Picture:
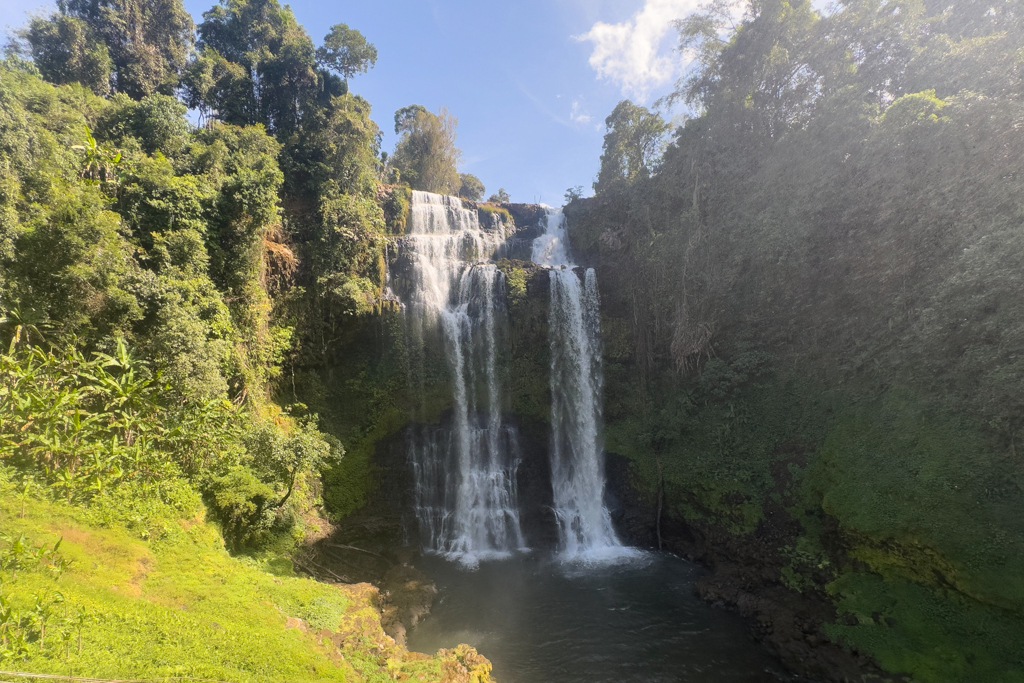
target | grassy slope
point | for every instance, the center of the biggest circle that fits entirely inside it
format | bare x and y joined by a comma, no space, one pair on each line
177,604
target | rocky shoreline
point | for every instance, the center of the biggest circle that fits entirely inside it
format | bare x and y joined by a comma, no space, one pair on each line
745,575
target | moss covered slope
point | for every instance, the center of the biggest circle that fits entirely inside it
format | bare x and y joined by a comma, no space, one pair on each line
164,599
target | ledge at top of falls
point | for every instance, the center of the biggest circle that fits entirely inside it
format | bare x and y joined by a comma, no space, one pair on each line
526,219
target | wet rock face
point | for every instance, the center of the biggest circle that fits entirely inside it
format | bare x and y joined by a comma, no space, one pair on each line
528,219
389,521
533,481
524,364
407,595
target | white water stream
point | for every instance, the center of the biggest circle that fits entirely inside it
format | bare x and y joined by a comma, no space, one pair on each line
465,485
466,498
577,452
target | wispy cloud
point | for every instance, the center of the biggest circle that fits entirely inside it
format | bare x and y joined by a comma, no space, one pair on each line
541,106
578,114
632,53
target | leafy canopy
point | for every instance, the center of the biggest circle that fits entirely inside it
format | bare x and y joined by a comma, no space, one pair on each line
346,52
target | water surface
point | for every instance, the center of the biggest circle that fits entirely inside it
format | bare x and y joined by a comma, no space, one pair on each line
540,621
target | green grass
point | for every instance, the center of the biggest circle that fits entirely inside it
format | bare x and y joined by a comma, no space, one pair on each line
932,635
177,604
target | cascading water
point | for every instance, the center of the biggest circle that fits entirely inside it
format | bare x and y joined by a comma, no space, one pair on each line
577,452
465,485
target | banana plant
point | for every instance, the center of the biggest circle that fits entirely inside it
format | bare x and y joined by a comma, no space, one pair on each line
25,325
42,611
13,641
79,622
99,162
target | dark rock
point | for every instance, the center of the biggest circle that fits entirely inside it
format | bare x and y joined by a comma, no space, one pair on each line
407,596
528,219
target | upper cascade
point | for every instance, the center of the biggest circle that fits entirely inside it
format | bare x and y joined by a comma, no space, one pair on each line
465,472
577,450
552,247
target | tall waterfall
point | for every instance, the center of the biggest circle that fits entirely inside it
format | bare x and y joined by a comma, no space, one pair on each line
577,452
465,473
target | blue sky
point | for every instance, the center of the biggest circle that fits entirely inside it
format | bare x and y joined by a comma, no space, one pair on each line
530,81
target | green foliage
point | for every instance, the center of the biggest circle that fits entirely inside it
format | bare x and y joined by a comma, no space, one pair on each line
24,628
515,285
631,145
924,499
471,187
808,305
718,437
95,432
346,52
255,63
396,208
426,154
405,118
932,635
135,232
499,197
162,229
66,49
245,506
136,47
86,426
363,395
156,123
280,458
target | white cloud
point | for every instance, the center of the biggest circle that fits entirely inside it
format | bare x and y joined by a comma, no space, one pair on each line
578,114
632,53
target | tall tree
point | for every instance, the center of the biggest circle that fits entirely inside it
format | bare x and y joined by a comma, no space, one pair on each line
631,145
67,50
426,154
147,42
760,71
256,65
346,52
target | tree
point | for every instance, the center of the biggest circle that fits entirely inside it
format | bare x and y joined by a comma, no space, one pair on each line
499,197
346,52
631,145
760,75
426,154
256,65
405,116
67,50
147,44
472,188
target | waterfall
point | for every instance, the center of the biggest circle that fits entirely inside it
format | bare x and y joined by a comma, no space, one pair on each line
577,452
465,473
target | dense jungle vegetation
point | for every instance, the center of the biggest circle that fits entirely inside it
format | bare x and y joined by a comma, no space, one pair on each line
813,314
813,325
169,284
